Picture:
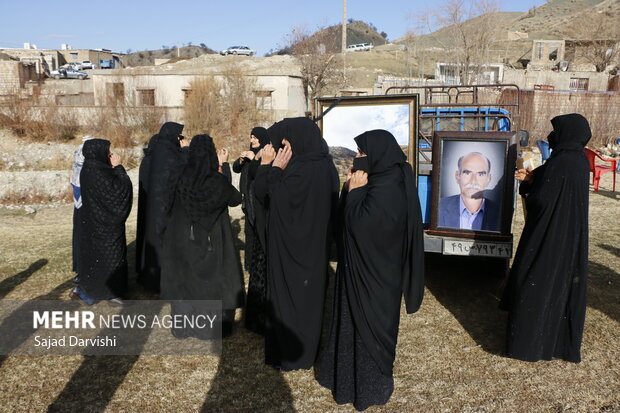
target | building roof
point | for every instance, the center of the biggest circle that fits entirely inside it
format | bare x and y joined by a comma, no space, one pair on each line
212,64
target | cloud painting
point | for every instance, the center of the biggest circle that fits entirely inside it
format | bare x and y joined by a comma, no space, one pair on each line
343,123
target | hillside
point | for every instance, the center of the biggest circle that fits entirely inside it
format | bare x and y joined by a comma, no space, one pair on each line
445,36
147,57
331,37
558,18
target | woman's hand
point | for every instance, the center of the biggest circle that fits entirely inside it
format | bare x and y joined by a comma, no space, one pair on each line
115,159
358,179
268,155
525,175
222,156
284,155
247,155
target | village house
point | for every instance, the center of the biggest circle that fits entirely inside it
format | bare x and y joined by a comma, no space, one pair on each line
277,83
46,60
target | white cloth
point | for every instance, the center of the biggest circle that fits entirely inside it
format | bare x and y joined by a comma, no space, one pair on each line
78,162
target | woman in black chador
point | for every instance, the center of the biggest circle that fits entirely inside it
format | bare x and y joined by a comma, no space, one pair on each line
159,171
246,165
546,291
381,258
106,202
199,260
255,260
302,188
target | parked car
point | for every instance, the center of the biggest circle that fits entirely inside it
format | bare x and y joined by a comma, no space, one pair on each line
244,50
68,73
73,65
360,47
87,64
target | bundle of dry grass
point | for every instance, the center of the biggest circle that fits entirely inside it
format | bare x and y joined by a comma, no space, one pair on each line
224,108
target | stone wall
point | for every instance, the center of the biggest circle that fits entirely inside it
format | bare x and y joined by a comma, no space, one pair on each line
528,79
10,79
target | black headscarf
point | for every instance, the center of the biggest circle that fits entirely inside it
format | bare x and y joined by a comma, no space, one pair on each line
303,134
170,132
262,136
383,246
203,191
546,291
97,153
570,132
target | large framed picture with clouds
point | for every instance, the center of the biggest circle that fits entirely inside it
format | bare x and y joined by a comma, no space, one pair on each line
473,183
344,118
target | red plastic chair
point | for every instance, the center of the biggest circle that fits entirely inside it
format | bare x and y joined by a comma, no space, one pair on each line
597,169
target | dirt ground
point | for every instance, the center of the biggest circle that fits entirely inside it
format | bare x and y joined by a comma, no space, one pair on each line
449,355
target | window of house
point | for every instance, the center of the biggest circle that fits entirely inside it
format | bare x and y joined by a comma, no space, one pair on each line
540,49
579,83
74,55
553,53
146,97
263,99
186,93
115,93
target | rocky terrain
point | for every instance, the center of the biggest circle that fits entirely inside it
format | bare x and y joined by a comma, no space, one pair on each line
39,172
35,175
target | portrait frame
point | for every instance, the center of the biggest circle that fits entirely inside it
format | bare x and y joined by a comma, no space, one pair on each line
505,147
335,113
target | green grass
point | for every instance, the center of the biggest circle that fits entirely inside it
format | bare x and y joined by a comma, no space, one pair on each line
449,355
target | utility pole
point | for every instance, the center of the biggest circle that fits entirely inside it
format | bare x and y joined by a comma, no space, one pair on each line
344,26
344,40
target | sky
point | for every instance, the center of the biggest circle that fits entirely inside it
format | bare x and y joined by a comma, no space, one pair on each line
343,123
151,24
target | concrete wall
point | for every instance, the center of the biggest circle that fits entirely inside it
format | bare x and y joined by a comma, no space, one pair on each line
287,92
79,55
528,79
52,57
14,75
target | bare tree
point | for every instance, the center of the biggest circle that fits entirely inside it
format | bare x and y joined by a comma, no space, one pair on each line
466,30
319,64
598,40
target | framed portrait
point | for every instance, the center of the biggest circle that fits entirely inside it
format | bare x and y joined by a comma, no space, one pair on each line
344,118
473,186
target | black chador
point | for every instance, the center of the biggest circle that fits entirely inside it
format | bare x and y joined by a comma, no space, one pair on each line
546,290
300,199
255,260
247,168
143,182
199,259
106,203
164,165
381,259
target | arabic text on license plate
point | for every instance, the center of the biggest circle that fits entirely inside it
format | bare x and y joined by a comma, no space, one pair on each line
470,247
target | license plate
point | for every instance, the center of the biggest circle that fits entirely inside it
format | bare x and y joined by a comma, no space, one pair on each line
479,248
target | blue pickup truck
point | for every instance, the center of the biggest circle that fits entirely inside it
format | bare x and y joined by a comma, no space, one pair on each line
470,116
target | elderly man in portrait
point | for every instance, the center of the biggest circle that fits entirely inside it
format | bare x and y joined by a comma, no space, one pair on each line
470,209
